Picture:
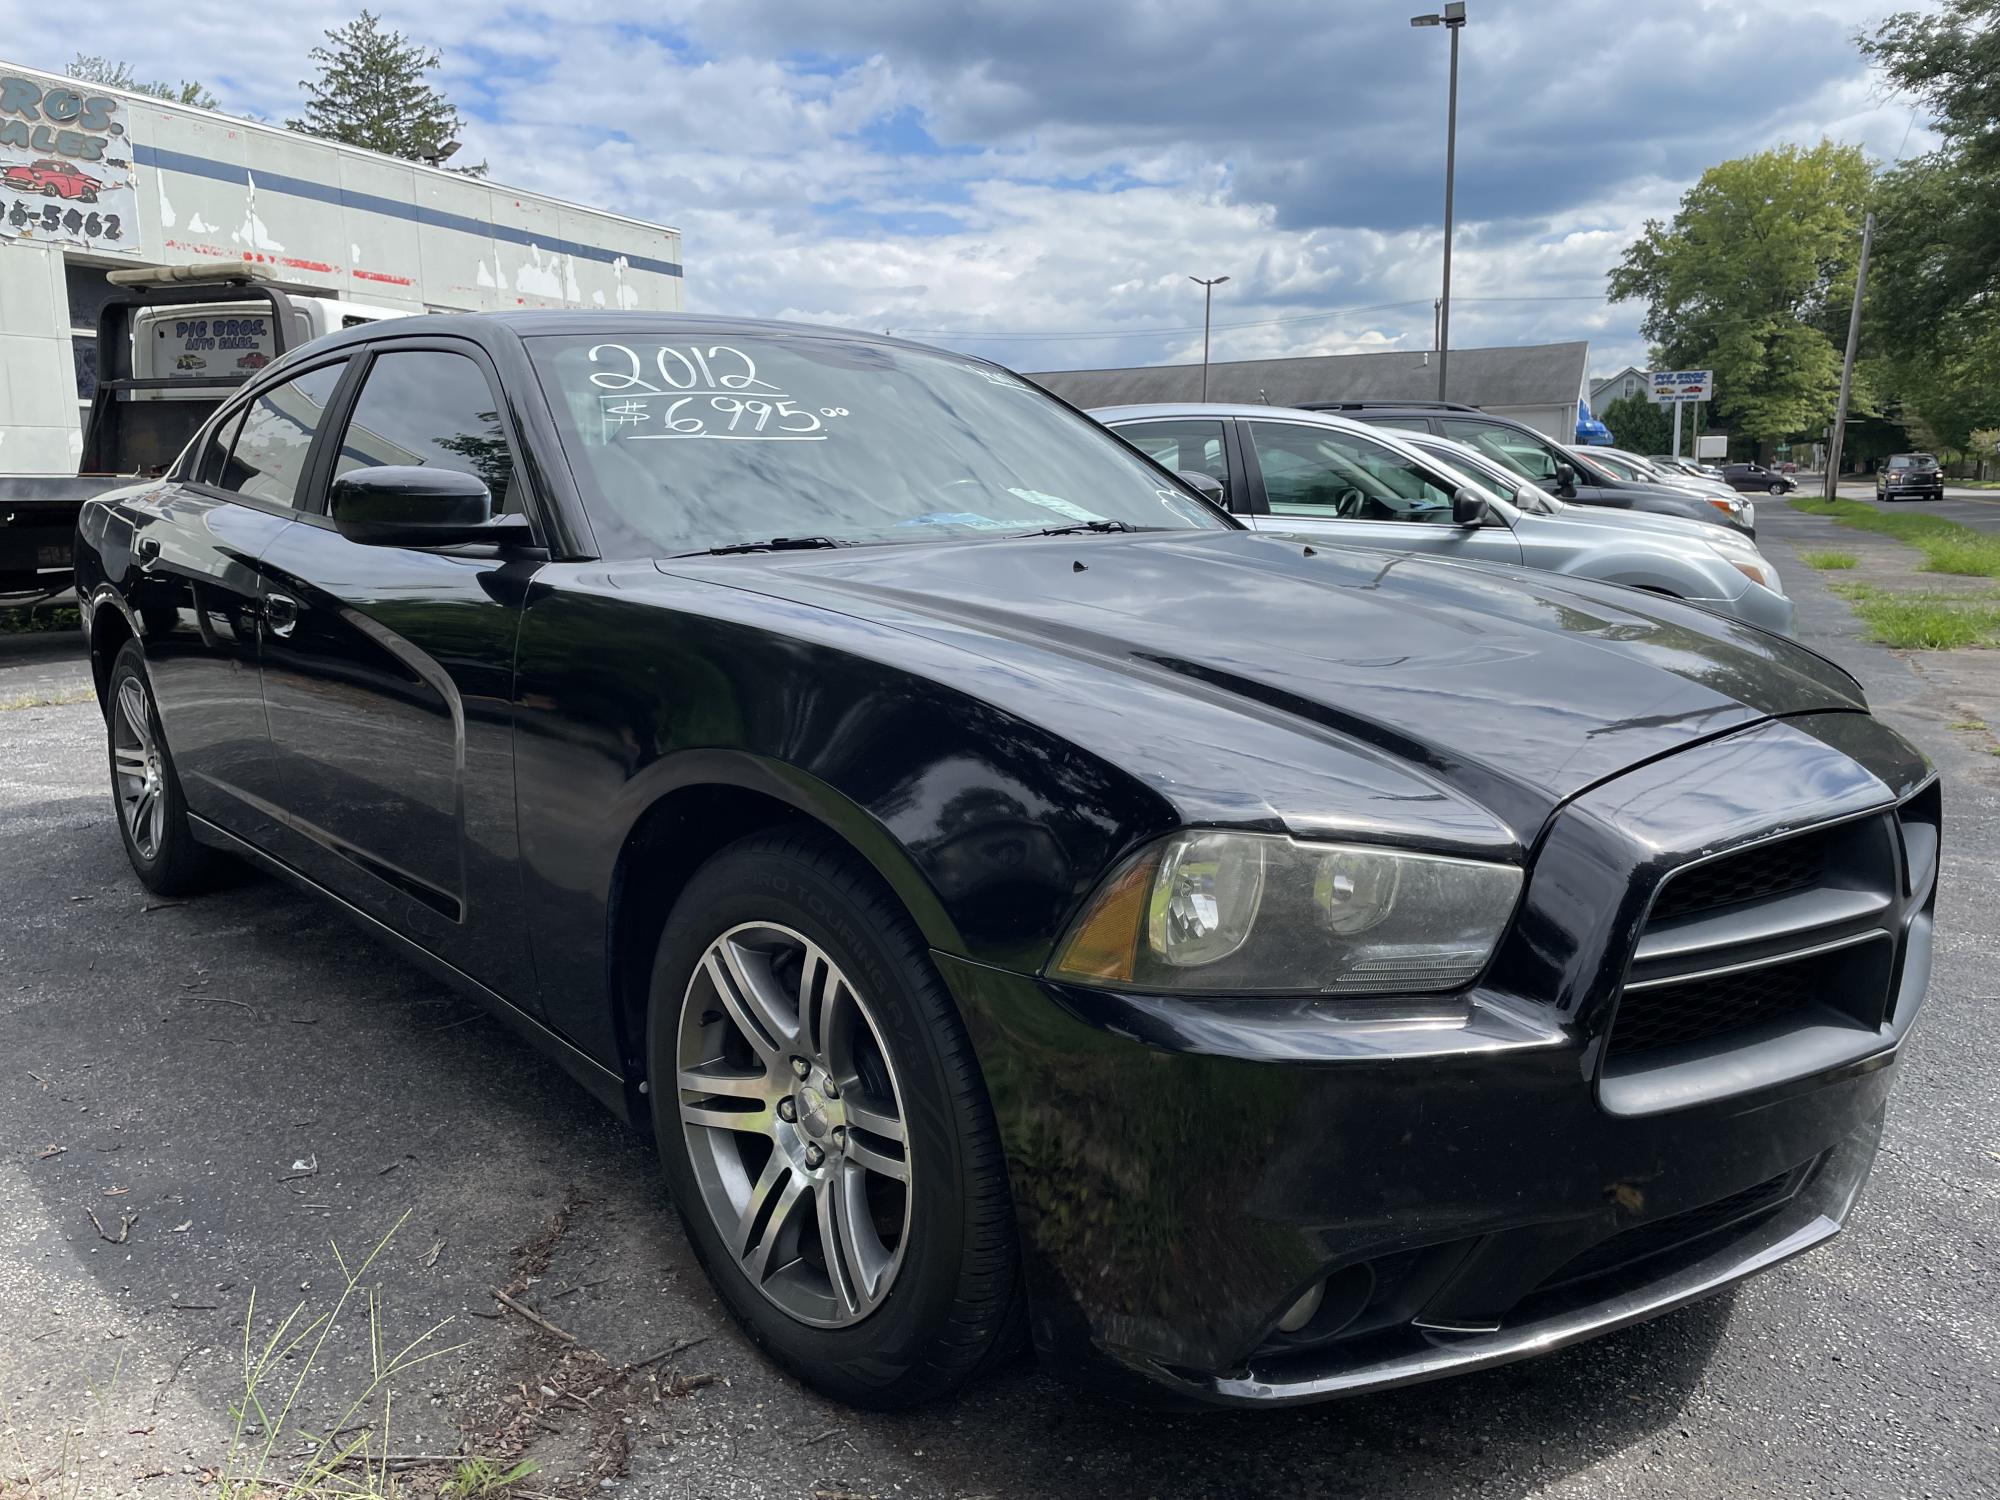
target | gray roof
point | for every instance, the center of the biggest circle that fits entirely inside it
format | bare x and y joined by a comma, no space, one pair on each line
1523,375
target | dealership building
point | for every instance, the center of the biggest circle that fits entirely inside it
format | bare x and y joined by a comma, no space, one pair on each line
1539,384
94,180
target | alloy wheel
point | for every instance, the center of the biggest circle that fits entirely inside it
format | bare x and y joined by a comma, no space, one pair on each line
141,773
795,1124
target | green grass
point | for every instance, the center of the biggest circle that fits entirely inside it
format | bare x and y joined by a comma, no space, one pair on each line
39,620
1948,547
1928,622
482,1478
1974,556
1829,561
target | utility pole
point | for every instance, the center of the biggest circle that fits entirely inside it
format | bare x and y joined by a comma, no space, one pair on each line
1847,365
1207,301
1452,18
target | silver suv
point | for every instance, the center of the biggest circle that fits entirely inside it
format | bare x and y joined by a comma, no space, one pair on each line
1313,474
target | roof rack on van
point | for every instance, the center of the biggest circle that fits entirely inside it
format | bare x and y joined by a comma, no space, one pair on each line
1365,405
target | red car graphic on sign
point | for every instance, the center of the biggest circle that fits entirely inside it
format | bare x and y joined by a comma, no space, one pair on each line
57,179
256,359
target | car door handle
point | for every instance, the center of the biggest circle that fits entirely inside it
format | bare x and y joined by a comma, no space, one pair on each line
281,613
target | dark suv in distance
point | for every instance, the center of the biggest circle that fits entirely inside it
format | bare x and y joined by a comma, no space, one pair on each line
1537,457
1019,901
1910,476
1751,479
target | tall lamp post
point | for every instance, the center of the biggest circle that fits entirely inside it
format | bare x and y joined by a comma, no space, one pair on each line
1207,302
1452,18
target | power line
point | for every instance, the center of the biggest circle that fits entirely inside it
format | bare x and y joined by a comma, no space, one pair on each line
1062,334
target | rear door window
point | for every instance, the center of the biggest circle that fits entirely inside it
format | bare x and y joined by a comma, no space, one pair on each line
267,461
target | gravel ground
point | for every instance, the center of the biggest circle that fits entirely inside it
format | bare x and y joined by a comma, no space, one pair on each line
254,1083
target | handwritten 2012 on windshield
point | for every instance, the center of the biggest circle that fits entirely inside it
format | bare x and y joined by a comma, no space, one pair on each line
696,391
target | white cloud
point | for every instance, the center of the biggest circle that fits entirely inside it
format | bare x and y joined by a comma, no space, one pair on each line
1101,154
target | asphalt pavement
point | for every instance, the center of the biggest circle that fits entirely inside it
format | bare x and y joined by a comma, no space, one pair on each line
198,1101
1979,509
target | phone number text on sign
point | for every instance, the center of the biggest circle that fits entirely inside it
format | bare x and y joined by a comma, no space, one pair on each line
697,391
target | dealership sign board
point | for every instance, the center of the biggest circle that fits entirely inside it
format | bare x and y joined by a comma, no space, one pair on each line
1682,385
66,167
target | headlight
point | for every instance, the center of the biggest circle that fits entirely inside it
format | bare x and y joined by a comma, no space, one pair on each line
1255,913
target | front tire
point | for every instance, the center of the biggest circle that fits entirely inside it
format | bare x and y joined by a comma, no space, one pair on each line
824,1128
152,813
1777,489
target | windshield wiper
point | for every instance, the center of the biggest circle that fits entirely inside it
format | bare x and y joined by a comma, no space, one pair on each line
775,544
1081,526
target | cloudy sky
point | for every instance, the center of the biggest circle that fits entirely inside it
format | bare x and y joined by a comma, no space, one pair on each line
1035,180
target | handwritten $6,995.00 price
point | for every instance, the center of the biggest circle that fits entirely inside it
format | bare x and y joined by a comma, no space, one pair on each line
699,392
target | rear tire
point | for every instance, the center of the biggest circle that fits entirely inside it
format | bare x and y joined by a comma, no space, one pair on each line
146,791
824,1128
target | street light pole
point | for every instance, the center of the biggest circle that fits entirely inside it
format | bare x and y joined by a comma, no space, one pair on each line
1207,302
1452,18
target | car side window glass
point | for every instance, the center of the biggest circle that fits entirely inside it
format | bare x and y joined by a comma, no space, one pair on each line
1323,472
1506,445
1193,446
267,460
210,463
433,409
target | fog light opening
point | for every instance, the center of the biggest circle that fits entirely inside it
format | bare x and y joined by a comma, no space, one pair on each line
1301,1312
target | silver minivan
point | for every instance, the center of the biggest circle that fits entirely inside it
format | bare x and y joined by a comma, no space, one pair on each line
1315,474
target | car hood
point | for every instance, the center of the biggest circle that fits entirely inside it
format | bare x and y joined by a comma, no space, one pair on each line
1511,685
1653,523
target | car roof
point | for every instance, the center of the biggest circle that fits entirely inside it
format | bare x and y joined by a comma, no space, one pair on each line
556,322
1158,410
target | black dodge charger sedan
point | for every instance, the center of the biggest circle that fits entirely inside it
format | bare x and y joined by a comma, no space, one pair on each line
1023,904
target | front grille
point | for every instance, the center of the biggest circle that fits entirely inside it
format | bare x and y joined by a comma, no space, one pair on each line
1757,874
1696,1009
1679,1231
1792,927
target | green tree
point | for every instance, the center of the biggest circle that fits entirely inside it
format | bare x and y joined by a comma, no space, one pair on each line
373,91
1638,426
1752,279
1933,314
118,75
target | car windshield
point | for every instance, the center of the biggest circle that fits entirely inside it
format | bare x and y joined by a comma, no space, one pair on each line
1912,461
684,443
1525,495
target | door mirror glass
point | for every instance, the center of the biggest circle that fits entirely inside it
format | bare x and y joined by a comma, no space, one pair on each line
395,505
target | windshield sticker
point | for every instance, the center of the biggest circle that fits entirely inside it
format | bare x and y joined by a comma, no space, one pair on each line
698,391
1057,504
963,518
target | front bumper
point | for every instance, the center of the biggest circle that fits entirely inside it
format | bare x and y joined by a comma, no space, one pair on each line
1183,1171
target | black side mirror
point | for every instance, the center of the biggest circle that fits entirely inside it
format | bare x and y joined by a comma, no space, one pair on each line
1468,506
1565,480
395,505
1207,486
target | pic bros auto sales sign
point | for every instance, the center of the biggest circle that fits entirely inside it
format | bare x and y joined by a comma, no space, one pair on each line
1682,385
65,166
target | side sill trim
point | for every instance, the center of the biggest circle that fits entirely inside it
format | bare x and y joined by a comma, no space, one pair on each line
606,1085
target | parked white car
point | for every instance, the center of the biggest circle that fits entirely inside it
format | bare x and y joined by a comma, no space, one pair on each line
1332,479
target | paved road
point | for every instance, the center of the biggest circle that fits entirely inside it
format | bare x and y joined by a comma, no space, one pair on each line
1976,508
252,1080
